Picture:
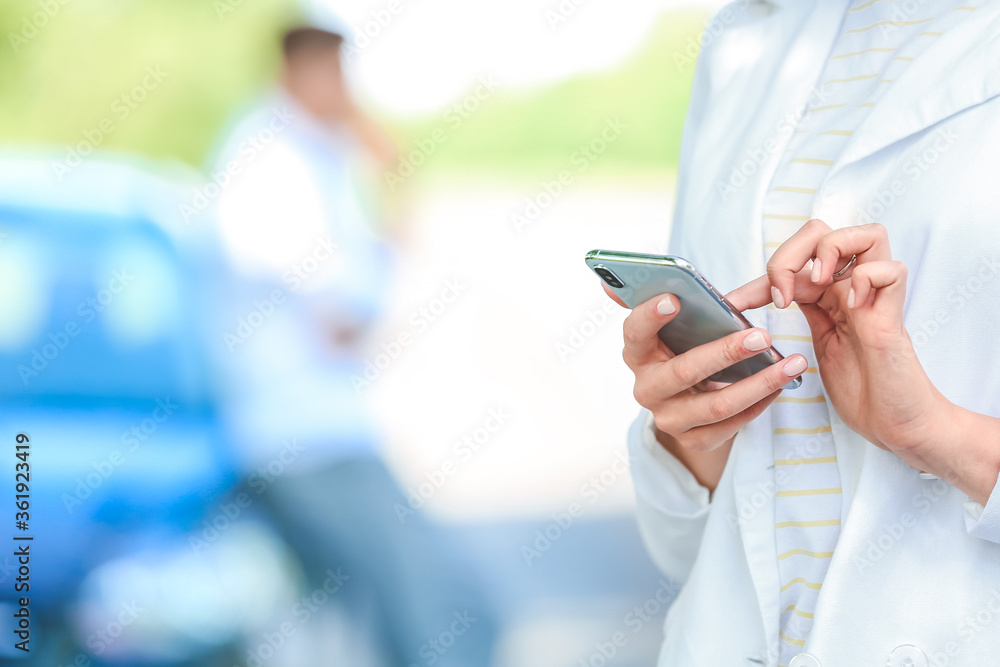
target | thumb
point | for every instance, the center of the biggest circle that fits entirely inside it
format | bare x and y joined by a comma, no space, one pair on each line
820,323
754,294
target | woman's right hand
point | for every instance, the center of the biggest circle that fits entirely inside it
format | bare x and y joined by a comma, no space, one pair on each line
696,413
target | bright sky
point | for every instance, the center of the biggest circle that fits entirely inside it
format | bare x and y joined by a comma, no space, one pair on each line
429,53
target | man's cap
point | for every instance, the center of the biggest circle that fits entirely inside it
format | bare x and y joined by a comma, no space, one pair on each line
322,15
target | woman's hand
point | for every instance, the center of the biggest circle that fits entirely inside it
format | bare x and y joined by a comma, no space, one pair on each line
689,410
866,360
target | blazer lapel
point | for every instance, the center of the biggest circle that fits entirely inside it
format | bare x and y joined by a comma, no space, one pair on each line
961,69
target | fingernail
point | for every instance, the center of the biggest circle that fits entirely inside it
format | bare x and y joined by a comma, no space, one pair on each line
665,306
817,270
850,298
795,366
779,301
755,342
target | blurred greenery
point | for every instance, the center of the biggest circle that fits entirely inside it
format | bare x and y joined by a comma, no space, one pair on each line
62,79
540,131
67,78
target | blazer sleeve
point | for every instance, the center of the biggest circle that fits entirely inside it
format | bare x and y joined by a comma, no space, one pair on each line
671,506
984,522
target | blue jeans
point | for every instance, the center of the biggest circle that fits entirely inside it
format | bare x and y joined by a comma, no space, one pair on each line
429,607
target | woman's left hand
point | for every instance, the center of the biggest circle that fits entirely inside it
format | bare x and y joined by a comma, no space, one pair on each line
866,360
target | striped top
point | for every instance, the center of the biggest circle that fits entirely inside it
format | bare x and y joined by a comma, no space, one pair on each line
877,41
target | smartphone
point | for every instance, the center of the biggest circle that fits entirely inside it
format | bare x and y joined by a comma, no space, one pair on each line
704,316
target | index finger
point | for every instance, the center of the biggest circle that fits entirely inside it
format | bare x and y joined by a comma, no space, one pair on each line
754,294
791,257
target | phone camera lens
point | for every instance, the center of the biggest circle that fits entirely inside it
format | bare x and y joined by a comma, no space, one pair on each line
609,276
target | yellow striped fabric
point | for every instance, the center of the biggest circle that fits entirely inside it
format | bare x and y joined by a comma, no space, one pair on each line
877,42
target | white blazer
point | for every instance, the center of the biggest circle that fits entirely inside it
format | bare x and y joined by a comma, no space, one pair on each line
916,573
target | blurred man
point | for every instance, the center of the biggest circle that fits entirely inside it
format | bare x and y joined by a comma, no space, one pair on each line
312,273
